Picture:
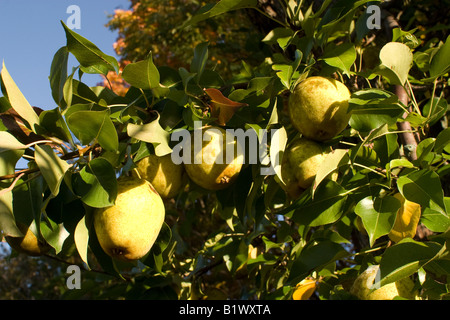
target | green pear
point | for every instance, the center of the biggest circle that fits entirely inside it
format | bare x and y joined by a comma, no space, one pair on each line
361,288
209,166
29,243
127,230
165,176
300,164
318,108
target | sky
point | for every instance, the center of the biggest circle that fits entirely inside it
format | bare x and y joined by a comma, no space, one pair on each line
31,33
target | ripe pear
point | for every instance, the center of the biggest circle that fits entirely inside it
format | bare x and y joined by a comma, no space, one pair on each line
165,176
29,244
300,164
127,230
209,167
361,288
318,108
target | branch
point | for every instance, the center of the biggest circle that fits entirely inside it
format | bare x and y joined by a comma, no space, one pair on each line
407,137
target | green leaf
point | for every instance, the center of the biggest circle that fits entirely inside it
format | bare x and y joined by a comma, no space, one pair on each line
81,238
199,61
442,140
341,57
405,258
326,206
18,102
332,162
152,133
396,61
51,166
96,184
372,108
7,222
90,126
9,142
8,160
223,6
423,187
54,234
58,74
142,74
54,125
276,151
440,63
91,58
314,258
378,216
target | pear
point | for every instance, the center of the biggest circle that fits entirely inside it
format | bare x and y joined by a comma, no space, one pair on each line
127,230
318,108
300,164
217,164
361,288
29,243
165,176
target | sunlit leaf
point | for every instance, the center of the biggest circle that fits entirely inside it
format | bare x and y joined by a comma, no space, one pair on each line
51,166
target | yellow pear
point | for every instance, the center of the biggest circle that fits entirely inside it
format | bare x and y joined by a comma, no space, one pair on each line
318,108
127,230
300,164
29,244
406,221
165,176
361,288
217,164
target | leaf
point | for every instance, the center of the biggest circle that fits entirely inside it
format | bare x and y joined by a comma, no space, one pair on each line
314,258
405,258
51,166
372,108
222,108
58,74
277,146
96,184
423,187
396,61
152,133
54,125
9,142
81,238
18,102
442,140
199,61
223,6
332,162
142,74
440,63
341,57
91,58
90,126
406,221
434,220
325,208
54,234
8,225
377,215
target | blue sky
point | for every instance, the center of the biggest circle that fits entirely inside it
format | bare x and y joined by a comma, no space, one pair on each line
31,33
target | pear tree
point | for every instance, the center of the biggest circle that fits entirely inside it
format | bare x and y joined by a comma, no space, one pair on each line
351,177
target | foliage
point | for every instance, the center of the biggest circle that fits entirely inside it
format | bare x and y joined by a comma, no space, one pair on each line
251,240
